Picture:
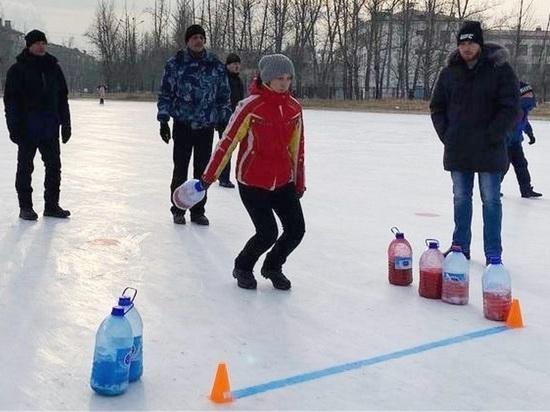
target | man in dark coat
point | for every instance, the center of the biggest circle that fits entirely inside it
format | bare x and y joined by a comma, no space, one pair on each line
36,105
233,66
473,106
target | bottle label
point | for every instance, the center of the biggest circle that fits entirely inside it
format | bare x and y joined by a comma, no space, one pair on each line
403,262
454,277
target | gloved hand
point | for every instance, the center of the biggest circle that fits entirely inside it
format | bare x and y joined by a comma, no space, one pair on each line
165,132
204,184
220,127
65,133
532,139
14,137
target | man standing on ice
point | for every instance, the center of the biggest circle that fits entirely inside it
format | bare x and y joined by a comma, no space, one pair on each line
473,106
195,93
36,105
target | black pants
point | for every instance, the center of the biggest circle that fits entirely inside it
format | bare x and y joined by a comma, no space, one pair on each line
49,149
189,141
517,158
225,175
260,205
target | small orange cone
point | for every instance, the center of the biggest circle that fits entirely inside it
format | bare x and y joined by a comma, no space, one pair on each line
221,393
514,319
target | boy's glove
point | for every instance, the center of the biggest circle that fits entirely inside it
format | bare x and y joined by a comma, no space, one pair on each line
165,132
532,139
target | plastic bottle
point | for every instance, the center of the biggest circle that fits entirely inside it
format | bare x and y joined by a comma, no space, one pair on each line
456,282
188,194
431,271
133,316
497,290
112,353
399,260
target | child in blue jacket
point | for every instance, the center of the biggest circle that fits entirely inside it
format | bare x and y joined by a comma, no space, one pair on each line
515,138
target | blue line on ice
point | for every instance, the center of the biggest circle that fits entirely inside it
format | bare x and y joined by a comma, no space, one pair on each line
293,380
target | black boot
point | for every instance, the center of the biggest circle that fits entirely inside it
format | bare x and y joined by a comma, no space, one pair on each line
27,213
56,211
277,277
530,193
245,278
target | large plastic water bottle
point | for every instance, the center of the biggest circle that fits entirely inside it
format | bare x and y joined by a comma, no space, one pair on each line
431,271
456,277
399,260
188,194
497,290
133,316
112,354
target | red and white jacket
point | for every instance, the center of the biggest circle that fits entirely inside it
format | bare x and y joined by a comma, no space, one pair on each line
269,127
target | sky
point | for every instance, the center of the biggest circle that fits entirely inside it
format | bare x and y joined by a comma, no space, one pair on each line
64,20
342,339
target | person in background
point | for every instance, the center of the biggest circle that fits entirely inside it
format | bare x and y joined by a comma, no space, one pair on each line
233,65
195,94
515,138
473,106
268,127
101,90
36,105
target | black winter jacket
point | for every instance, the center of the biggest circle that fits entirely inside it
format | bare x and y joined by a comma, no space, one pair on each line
36,97
237,89
473,109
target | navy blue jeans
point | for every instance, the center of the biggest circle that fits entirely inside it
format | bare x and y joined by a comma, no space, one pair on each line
489,187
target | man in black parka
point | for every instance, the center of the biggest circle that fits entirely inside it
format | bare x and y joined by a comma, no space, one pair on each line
233,67
36,105
473,106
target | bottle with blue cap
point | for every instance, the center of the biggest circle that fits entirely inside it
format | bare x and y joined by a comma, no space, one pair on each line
133,316
496,284
431,271
188,194
399,260
455,288
112,354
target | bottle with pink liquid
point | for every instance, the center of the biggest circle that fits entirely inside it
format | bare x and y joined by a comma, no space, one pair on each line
497,290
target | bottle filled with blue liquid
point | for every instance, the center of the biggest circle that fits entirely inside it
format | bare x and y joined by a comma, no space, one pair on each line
133,316
112,354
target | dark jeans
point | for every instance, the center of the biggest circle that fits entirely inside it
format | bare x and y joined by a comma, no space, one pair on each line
518,160
225,175
189,141
50,152
260,205
489,187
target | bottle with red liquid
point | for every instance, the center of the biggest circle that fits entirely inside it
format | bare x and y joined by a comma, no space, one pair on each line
497,290
400,260
431,271
456,277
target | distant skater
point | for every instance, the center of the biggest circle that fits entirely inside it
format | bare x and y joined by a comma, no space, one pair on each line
268,127
101,91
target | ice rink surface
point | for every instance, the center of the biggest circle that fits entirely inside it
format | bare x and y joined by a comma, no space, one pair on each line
342,339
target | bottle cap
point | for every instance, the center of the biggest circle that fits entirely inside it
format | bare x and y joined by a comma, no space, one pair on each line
400,235
456,248
432,243
199,187
117,311
495,260
124,301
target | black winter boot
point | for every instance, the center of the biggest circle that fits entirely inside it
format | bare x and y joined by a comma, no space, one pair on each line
277,277
27,213
245,278
530,193
56,211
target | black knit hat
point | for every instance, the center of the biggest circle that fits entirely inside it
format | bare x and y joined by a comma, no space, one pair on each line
35,36
470,31
192,30
232,58
525,88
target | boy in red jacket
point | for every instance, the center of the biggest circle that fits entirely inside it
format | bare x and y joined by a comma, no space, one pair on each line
270,170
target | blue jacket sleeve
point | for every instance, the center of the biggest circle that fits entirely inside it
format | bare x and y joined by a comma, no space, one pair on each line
164,102
223,100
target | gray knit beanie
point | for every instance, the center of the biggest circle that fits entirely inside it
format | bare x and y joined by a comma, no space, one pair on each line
275,65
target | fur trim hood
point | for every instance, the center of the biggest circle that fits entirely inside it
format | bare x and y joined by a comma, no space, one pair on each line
492,52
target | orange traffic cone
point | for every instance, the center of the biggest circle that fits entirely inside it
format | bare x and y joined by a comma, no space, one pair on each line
514,319
221,393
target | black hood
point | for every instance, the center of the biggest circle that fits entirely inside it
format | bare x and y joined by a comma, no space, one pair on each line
26,57
492,52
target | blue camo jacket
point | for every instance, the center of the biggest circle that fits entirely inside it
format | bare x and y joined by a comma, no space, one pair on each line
194,91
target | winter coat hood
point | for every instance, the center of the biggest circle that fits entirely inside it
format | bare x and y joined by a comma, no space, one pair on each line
26,57
491,52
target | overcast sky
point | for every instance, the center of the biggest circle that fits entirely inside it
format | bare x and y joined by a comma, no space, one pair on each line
66,19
